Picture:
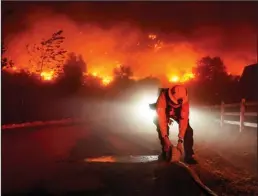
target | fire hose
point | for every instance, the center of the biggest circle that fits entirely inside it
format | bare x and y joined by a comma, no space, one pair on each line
193,174
195,177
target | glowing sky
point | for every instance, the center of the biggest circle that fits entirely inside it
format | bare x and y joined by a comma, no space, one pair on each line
158,39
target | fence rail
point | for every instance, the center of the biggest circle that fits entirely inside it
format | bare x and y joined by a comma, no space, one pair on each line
242,114
237,114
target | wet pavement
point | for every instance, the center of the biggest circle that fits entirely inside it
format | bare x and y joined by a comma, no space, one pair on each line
82,160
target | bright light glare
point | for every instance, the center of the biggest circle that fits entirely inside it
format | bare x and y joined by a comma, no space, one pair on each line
143,109
145,112
197,116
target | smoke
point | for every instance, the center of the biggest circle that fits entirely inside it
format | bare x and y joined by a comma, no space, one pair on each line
104,48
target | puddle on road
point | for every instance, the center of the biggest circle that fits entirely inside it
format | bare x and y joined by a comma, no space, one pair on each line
123,159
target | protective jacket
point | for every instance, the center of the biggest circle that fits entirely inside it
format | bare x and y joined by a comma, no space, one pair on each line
173,103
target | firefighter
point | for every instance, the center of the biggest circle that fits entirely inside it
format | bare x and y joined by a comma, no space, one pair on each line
173,104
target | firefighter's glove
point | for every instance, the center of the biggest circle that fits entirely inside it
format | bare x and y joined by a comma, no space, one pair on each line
177,152
180,146
167,143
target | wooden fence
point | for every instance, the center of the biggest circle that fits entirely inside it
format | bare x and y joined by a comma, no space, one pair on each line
241,123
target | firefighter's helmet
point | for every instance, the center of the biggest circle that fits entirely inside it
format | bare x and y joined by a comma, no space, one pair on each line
178,94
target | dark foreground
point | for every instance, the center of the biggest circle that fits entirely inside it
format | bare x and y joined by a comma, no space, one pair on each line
51,161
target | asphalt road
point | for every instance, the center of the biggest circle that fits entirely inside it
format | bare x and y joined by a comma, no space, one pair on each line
51,161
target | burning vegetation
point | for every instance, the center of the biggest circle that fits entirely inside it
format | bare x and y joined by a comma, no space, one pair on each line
41,38
42,49
48,58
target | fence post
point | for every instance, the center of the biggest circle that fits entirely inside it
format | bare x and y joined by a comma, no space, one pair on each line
222,114
242,115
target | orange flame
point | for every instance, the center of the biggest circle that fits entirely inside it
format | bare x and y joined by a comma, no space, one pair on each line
174,79
185,77
95,74
48,76
106,80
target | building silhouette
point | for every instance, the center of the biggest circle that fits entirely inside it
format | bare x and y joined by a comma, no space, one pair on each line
249,83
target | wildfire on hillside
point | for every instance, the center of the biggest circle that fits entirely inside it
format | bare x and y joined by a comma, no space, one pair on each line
104,50
146,54
105,78
148,51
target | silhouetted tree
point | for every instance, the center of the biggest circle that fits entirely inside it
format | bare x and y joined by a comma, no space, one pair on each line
93,82
73,69
122,81
48,54
208,69
212,83
93,87
5,63
123,72
3,59
74,65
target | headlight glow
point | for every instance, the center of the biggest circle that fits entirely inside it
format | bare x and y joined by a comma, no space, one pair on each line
143,109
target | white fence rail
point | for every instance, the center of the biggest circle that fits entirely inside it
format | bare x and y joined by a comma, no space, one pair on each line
241,123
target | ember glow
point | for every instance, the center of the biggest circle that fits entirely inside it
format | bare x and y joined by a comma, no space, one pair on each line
174,79
12,69
106,80
95,74
181,79
152,36
48,76
187,76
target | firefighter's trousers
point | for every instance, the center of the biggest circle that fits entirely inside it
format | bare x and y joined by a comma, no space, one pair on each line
188,139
